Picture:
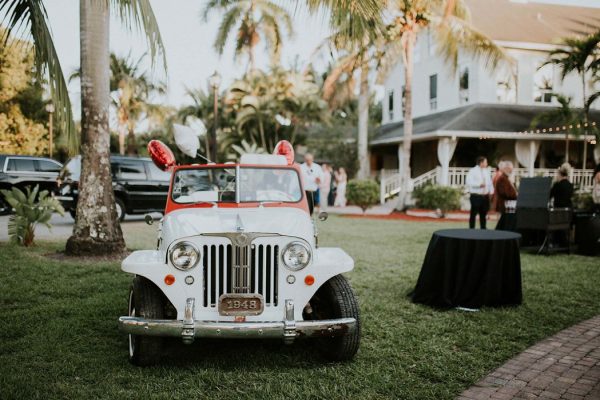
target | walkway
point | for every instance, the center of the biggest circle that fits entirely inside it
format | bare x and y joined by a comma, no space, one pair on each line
564,366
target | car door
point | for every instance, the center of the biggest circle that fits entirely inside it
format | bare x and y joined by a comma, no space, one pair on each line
160,181
132,177
47,174
22,172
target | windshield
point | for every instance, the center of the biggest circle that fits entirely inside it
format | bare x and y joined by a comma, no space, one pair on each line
219,185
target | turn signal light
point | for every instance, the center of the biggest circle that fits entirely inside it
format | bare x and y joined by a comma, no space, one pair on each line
169,279
309,280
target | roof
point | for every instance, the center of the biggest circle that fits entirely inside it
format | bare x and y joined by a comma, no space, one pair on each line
529,22
474,120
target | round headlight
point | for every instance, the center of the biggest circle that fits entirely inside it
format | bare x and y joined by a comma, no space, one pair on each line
184,256
296,256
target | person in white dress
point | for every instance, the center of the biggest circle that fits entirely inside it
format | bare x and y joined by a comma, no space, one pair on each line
341,179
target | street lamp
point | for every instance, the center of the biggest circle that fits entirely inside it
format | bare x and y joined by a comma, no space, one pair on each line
214,82
50,111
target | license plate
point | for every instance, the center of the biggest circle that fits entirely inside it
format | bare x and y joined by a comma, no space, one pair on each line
241,304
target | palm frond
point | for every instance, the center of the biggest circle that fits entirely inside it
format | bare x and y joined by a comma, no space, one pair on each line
139,14
227,23
29,18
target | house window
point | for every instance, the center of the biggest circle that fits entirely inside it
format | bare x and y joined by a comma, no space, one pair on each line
463,85
391,105
433,92
543,80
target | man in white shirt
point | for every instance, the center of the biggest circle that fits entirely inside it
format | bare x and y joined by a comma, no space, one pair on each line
312,174
479,184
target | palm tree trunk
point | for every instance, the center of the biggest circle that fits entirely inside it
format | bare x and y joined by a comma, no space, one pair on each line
131,147
261,130
408,122
567,146
363,123
585,121
96,229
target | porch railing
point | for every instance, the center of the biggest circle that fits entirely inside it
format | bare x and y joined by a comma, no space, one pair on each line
457,177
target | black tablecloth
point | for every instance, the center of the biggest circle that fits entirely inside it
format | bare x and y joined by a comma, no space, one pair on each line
470,268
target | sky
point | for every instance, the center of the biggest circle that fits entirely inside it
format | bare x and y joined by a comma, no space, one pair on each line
188,41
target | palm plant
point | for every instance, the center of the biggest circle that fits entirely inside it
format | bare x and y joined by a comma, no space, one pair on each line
255,20
31,208
131,92
579,55
96,229
449,23
564,115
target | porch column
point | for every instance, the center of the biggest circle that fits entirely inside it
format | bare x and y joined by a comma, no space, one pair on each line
597,152
445,151
526,152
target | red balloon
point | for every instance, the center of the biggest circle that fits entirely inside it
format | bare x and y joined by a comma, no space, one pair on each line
161,154
285,148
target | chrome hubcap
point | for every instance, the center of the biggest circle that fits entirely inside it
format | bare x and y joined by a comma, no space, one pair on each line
131,314
119,210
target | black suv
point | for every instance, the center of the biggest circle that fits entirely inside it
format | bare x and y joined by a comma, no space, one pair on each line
139,186
22,171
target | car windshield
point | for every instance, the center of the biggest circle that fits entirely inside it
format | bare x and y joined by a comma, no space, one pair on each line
219,185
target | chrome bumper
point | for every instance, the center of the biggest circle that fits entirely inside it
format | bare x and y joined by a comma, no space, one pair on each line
188,329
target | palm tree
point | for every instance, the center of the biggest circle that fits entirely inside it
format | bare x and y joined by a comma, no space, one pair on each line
448,21
96,229
255,20
578,55
564,115
131,91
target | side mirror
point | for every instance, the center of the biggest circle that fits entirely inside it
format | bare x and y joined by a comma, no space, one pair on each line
148,219
323,216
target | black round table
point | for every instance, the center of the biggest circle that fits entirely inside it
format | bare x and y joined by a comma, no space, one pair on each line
470,268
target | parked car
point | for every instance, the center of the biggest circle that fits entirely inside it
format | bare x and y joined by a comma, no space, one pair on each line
139,186
237,257
22,171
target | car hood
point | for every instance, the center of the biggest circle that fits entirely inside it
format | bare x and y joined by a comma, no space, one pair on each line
286,221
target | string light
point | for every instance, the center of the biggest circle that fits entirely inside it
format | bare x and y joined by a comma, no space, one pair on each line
557,129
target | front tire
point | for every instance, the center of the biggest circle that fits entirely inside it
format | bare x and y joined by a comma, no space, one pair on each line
336,299
146,301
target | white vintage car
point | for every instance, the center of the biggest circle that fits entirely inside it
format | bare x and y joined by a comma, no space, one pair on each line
237,257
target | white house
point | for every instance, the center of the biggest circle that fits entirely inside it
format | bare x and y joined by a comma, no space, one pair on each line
476,110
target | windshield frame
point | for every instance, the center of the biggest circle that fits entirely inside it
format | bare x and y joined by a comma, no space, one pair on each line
237,168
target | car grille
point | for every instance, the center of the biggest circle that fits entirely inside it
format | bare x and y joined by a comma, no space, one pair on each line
240,269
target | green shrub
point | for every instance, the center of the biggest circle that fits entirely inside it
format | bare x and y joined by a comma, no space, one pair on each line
363,193
435,197
583,201
30,209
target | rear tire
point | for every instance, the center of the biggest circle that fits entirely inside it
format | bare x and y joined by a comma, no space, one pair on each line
336,299
146,301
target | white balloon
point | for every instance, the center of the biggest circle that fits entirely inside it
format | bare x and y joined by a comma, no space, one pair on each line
186,139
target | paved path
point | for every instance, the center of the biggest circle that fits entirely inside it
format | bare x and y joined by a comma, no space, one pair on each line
564,366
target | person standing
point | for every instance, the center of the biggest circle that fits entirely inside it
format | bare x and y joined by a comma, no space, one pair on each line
504,190
497,174
325,186
341,179
311,176
562,190
479,184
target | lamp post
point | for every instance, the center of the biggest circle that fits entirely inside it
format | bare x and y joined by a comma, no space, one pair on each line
50,111
214,82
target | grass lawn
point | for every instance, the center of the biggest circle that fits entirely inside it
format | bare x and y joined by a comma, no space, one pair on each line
59,338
